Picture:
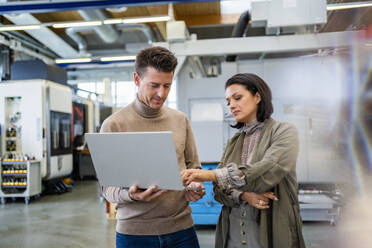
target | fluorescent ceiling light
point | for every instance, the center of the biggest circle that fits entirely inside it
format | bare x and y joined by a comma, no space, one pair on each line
76,24
119,58
117,10
86,23
18,27
351,5
112,21
77,60
147,19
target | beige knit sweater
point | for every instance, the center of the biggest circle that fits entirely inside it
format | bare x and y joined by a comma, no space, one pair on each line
170,212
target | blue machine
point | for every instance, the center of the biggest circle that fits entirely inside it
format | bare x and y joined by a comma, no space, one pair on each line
206,210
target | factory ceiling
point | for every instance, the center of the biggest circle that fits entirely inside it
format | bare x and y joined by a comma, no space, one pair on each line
206,19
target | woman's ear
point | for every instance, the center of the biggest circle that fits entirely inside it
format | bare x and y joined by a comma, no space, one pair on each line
257,98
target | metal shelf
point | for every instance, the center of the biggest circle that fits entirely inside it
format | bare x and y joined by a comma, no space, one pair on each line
32,178
13,186
15,175
15,162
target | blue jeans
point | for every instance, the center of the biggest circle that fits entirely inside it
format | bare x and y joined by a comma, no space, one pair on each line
182,239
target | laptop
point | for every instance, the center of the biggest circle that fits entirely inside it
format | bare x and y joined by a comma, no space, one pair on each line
135,158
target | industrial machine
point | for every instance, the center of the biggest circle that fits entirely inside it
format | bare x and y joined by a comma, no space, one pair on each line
36,126
85,115
85,119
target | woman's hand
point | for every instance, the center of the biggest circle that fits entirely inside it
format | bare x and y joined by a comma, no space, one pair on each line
196,175
259,201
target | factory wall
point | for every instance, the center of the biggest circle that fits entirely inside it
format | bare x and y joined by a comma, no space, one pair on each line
310,92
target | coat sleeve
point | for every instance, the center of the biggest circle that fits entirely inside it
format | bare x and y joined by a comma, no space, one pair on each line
191,154
279,159
113,194
222,195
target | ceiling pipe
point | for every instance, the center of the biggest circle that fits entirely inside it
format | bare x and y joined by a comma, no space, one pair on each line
146,30
106,32
238,30
73,33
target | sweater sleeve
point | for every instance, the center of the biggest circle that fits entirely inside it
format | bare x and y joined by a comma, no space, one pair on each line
278,160
113,194
191,154
116,194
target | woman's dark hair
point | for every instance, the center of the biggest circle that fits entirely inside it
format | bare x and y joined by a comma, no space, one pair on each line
254,84
157,57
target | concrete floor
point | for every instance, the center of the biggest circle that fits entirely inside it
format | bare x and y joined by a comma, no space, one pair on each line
78,219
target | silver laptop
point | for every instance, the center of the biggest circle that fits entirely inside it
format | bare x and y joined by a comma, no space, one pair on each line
135,158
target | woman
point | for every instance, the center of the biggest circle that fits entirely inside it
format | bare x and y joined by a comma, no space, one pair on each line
256,178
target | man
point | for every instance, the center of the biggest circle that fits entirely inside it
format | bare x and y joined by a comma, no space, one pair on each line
153,217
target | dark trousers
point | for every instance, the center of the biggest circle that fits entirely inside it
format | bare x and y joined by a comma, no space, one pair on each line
182,239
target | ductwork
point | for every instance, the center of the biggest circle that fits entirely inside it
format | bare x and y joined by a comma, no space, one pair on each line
106,32
138,27
238,30
73,33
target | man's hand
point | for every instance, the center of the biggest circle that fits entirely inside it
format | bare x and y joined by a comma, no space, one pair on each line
197,175
147,195
194,195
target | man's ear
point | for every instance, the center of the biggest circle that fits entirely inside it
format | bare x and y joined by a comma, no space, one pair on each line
137,79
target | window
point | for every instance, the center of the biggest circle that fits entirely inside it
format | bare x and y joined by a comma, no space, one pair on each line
206,111
94,87
172,97
123,92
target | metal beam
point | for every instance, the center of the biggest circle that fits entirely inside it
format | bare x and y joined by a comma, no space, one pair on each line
58,5
17,46
181,60
265,44
27,40
5,61
44,35
152,10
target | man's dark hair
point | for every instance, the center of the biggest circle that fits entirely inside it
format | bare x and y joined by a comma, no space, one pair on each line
254,84
157,57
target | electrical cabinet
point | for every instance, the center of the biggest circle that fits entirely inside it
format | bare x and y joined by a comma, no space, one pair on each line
207,210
